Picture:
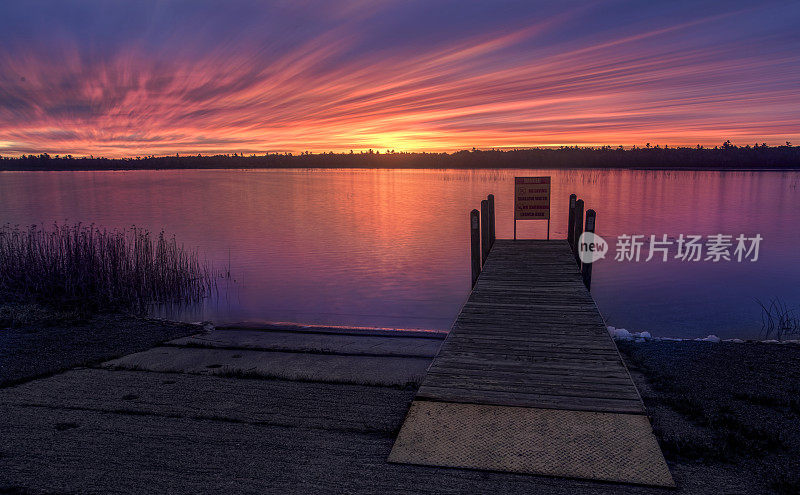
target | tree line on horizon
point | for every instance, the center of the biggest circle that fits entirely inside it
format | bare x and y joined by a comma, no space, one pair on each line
728,155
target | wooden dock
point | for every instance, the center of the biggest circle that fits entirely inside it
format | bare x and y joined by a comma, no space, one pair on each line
530,335
530,362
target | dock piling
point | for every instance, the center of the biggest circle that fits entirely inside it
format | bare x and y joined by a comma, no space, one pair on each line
475,244
578,229
484,231
490,198
571,227
586,268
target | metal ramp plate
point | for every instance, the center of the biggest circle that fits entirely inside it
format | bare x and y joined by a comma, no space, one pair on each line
575,444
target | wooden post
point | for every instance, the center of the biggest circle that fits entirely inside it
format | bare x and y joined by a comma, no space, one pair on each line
578,227
475,244
571,228
586,268
491,221
484,231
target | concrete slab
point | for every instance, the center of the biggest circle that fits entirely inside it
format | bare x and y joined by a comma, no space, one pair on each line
368,370
316,342
574,444
78,451
273,402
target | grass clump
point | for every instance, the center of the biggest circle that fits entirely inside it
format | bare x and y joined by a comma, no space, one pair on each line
778,320
89,269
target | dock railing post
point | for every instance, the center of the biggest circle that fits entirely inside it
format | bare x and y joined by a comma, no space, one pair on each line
484,230
578,228
475,244
586,268
571,227
491,221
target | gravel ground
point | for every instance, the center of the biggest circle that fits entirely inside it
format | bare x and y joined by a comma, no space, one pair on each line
726,405
36,350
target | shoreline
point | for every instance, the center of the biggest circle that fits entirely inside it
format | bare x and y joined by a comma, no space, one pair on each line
730,405
330,328
726,155
618,334
35,350
790,168
623,335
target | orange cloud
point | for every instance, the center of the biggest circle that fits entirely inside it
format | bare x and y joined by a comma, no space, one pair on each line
500,88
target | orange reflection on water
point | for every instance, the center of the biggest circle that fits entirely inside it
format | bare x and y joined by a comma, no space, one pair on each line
389,248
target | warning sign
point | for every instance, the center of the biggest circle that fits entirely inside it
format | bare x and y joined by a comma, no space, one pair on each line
532,198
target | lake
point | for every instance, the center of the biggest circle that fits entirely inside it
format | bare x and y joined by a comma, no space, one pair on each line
390,248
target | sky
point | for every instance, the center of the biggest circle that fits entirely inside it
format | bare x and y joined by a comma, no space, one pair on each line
123,79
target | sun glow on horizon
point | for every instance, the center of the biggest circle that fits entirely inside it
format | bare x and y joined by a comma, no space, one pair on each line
391,76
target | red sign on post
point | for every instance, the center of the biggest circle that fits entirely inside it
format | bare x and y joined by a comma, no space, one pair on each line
531,200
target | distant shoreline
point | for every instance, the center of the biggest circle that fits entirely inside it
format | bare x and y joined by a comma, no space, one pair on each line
647,169
727,157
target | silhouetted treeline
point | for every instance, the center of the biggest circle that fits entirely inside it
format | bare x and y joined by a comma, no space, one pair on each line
726,156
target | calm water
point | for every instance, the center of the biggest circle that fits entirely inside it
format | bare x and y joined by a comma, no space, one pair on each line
390,247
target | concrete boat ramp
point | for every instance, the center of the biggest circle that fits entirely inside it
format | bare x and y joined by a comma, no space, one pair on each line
366,357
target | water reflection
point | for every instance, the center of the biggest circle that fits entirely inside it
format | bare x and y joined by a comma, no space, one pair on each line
389,247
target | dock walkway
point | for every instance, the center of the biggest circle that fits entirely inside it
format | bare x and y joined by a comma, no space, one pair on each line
529,380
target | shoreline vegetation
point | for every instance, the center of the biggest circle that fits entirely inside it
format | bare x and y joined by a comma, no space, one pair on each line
87,269
75,295
728,156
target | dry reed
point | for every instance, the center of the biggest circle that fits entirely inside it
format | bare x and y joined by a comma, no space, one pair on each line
84,266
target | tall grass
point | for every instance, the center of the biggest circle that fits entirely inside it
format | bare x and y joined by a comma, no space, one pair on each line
778,320
86,267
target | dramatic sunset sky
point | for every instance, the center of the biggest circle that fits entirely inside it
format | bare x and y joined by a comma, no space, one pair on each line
158,77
